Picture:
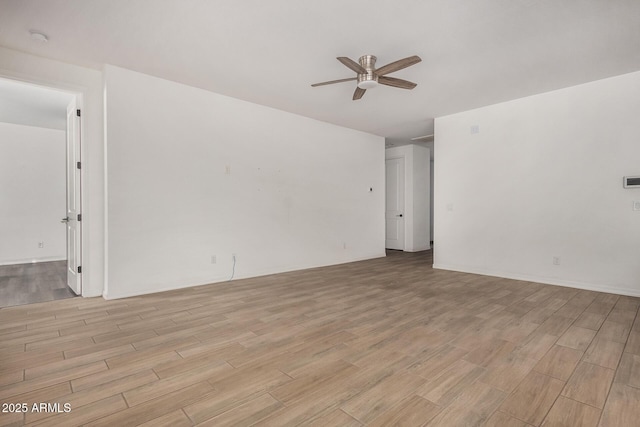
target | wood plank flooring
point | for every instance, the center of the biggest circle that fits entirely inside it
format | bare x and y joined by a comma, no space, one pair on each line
34,282
381,342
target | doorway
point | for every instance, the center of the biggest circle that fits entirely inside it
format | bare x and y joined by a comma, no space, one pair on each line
394,203
39,144
407,210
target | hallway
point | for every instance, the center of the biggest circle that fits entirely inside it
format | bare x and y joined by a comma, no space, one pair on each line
35,282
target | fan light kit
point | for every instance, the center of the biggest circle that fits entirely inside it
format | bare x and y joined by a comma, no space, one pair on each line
367,83
369,77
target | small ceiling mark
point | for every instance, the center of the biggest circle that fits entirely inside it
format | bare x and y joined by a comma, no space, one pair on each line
39,37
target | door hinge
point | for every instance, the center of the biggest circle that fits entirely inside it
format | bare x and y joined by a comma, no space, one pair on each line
79,165
79,269
79,217
78,113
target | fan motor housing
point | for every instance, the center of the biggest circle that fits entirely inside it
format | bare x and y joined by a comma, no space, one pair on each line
368,62
369,79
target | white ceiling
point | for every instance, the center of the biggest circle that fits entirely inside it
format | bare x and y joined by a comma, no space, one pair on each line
29,105
474,53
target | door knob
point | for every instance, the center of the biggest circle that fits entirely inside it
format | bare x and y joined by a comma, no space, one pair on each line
63,220
399,215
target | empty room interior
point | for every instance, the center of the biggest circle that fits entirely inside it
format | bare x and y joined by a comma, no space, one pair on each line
339,213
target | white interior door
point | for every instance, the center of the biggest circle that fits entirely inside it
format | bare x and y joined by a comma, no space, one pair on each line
73,218
394,213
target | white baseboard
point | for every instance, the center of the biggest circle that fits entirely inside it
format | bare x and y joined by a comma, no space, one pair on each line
419,249
541,279
33,260
168,287
256,273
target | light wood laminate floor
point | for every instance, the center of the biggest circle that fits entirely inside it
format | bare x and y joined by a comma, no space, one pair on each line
34,282
382,342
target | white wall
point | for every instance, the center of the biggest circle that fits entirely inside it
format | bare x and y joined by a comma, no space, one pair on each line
87,84
543,178
32,194
431,200
417,177
421,198
296,194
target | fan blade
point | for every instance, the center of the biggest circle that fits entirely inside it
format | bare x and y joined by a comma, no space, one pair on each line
398,65
334,81
358,93
423,138
350,63
391,81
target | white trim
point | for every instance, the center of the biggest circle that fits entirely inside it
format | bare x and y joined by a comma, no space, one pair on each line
34,261
419,248
267,272
30,80
541,279
105,188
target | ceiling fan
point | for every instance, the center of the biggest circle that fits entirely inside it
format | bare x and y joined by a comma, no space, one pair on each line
369,76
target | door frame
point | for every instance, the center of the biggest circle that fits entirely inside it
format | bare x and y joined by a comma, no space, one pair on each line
76,92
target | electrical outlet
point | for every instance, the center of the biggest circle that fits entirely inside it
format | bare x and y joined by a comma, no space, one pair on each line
636,206
227,170
41,244
344,245
213,259
474,129
556,260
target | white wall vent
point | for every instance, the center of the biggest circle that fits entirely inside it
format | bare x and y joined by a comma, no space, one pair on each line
632,182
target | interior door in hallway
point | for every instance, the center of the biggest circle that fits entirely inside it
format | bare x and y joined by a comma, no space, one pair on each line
394,211
72,220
